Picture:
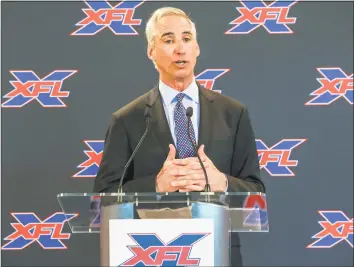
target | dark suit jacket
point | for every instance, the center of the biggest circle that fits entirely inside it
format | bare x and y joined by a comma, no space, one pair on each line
224,129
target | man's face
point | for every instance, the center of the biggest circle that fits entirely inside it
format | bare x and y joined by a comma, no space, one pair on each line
176,49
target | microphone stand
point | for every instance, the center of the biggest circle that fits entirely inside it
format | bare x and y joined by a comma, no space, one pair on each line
120,186
207,189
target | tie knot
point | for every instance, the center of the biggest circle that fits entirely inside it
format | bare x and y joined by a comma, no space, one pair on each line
180,97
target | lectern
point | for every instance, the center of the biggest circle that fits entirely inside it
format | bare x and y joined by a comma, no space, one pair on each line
165,229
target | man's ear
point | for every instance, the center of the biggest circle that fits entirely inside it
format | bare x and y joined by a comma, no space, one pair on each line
150,53
198,50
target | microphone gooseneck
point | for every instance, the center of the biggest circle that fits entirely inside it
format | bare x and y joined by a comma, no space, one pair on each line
189,113
147,116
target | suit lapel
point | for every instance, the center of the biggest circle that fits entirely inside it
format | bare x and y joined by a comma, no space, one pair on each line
206,117
159,123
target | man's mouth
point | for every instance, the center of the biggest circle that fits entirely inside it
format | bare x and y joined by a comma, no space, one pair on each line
180,62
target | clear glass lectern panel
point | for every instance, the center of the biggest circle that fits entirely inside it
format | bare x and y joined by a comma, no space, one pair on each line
246,211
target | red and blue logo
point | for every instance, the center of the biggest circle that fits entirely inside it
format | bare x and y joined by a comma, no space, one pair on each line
208,77
29,229
258,215
89,167
276,159
336,228
101,14
335,84
152,251
28,87
254,14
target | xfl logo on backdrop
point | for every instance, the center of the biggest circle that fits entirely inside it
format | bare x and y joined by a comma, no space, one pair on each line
276,159
150,250
335,84
89,167
28,87
208,77
258,210
254,14
29,229
101,14
336,228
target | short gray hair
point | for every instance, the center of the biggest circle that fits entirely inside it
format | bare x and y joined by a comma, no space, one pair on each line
150,30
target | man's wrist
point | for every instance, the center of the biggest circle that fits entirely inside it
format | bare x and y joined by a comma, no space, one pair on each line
223,183
158,187
157,183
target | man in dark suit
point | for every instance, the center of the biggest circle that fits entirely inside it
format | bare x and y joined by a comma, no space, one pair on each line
166,161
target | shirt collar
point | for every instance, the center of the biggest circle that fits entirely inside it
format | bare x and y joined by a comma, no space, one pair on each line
168,93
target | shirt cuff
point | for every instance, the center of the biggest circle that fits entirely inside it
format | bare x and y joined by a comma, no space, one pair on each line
227,183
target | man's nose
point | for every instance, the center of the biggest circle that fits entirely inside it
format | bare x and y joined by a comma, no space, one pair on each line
180,48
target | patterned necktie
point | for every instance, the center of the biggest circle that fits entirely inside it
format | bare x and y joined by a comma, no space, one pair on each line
184,145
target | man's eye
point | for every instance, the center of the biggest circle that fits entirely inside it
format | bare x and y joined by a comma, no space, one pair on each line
168,41
187,39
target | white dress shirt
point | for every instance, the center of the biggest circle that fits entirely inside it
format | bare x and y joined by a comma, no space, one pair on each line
191,99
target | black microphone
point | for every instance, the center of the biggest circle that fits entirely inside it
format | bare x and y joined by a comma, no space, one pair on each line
147,115
189,114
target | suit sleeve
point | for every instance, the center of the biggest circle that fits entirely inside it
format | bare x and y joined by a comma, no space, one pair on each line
245,171
116,153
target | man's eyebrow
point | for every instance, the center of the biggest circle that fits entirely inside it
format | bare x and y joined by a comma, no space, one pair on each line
166,34
171,33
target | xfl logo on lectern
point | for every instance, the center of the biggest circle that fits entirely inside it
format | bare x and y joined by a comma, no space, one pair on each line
335,84
28,87
276,159
254,14
101,14
150,243
336,228
152,251
29,229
